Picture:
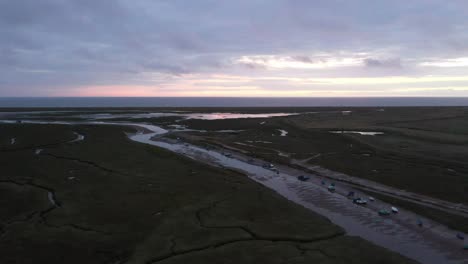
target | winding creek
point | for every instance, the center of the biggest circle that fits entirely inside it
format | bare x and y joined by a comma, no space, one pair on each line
432,244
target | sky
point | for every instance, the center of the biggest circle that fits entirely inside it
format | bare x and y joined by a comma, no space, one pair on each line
242,48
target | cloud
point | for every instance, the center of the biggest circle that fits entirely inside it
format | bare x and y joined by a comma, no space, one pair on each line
446,63
52,45
293,62
383,63
302,58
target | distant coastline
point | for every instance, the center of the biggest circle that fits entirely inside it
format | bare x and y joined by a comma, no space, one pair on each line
230,101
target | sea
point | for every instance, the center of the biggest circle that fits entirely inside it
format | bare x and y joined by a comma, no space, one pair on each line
71,102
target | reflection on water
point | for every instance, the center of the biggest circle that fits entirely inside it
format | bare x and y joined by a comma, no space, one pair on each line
184,115
51,198
79,137
133,115
215,116
283,132
362,133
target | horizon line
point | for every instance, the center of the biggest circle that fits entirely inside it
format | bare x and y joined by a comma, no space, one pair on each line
243,97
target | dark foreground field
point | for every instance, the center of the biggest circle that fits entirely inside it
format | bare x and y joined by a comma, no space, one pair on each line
107,199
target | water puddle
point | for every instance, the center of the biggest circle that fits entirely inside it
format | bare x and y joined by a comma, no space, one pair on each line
283,132
52,200
259,141
362,133
79,137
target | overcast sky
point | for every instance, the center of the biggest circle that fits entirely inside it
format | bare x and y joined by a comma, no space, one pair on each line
233,48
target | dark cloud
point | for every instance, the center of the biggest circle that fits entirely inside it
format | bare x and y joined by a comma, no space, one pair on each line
167,68
253,66
384,63
302,58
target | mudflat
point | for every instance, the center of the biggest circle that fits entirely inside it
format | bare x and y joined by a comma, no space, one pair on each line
91,195
417,149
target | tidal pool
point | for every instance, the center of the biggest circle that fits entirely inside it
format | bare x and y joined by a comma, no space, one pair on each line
362,133
185,115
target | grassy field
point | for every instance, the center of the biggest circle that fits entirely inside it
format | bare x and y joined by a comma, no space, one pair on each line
430,159
110,200
423,150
